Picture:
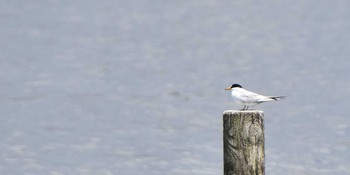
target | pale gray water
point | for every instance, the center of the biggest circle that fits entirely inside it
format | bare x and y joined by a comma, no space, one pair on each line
136,87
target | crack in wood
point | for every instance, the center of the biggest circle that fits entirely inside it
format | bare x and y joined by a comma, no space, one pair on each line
243,143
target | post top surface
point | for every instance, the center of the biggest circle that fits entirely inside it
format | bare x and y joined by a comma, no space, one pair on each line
240,111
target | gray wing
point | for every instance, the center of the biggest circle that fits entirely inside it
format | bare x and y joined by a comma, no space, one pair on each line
252,97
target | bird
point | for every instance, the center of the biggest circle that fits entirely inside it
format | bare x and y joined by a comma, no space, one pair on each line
248,98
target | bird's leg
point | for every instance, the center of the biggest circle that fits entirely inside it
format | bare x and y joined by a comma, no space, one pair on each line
243,108
247,108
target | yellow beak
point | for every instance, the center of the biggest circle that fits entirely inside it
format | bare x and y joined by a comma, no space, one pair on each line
228,88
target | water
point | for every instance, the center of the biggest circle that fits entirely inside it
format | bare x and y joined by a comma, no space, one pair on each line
136,87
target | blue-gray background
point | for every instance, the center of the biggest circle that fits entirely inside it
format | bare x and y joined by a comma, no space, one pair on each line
137,87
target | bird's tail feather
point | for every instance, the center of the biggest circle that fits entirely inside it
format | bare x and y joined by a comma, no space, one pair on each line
277,97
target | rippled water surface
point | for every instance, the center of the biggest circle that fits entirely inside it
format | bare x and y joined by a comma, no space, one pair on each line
137,87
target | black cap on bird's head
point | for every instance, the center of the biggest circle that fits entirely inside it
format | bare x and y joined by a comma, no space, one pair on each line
234,86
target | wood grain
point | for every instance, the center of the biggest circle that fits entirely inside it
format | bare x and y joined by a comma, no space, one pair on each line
244,142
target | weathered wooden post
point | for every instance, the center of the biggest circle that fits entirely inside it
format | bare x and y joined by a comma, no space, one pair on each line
244,141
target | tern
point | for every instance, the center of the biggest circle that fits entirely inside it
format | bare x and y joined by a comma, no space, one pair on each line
248,98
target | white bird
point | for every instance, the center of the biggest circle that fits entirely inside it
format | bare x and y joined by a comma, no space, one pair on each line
247,98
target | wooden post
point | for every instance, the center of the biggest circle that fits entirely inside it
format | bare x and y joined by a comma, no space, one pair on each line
244,141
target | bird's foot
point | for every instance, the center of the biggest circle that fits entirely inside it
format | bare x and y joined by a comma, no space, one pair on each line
244,108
